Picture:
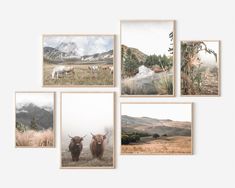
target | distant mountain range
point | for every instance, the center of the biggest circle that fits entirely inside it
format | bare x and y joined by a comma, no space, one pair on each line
69,52
152,126
43,115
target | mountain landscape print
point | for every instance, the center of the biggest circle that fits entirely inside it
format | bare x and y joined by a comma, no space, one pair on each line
78,60
147,54
156,128
34,119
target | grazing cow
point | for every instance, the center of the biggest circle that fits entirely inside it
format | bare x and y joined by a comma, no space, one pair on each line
105,67
97,145
93,68
62,70
111,69
75,147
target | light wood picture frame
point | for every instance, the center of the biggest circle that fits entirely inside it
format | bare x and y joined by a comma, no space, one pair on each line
90,116
35,122
156,128
78,60
147,51
200,68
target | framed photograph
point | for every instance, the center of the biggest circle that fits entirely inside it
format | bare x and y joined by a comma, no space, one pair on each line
200,68
78,60
147,58
87,130
35,119
156,128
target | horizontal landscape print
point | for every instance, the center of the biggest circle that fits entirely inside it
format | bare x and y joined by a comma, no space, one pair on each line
87,130
156,128
200,68
34,126
147,52
78,60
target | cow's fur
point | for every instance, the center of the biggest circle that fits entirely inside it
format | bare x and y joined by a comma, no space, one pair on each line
97,145
93,68
60,70
105,67
111,69
75,147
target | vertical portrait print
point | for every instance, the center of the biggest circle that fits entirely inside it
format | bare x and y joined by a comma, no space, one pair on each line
200,68
78,60
87,130
34,119
147,58
156,128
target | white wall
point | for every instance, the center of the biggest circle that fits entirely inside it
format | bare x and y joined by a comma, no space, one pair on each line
23,22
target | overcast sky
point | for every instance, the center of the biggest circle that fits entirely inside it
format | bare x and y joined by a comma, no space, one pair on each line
210,58
39,99
86,45
83,113
177,112
150,37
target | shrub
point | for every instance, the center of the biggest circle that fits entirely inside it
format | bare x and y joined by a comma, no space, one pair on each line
134,138
20,127
143,134
125,139
130,64
162,61
137,137
156,135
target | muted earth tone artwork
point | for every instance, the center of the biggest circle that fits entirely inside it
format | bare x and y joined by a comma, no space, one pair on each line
87,130
147,52
156,128
78,60
200,68
34,125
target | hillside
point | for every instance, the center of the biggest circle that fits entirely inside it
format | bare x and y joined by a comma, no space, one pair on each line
42,115
152,126
53,55
139,55
69,53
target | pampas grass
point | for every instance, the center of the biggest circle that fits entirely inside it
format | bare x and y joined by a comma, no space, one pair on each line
157,84
31,138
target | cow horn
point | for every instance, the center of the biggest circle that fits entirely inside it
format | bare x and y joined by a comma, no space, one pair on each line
70,136
92,134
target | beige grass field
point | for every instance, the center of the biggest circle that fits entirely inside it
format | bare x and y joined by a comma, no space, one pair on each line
163,145
82,76
86,159
32,138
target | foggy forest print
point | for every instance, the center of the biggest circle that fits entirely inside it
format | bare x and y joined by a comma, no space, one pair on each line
78,60
156,128
87,130
147,53
200,68
34,126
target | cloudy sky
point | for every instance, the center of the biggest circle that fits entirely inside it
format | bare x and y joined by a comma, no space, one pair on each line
86,45
177,112
210,58
83,113
39,99
150,37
